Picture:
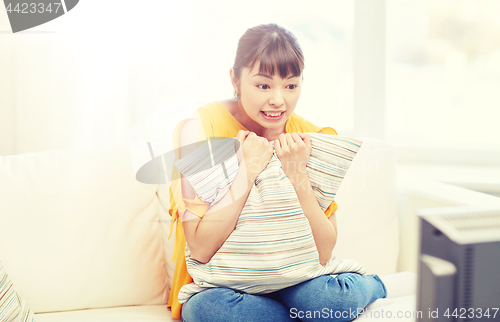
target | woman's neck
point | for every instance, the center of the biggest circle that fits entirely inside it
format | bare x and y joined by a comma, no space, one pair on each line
236,109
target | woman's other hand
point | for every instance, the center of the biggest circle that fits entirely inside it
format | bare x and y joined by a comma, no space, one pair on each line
256,152
293,150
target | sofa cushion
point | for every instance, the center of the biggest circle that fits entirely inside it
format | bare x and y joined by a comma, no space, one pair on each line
139,313
80,231
367,209
153,136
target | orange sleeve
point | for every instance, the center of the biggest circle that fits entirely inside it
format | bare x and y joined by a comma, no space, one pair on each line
328,130
331,209
333,206
197,206
181,275
176,211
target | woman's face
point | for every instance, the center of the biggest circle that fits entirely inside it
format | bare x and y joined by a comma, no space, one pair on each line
268,100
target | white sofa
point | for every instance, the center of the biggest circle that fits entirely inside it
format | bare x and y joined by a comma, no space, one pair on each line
83,240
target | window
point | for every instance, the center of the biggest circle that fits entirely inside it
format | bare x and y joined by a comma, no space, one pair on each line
443,75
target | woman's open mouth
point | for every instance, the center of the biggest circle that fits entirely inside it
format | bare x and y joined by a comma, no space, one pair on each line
272,116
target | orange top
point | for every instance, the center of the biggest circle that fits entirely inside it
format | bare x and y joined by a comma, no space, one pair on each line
216,121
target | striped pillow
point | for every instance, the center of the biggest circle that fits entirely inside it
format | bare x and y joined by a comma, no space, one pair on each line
272,246
12,306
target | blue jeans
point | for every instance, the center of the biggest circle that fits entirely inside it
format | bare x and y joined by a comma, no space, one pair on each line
324,298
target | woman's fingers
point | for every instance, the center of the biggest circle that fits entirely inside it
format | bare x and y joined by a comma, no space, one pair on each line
305,137
277,146
282,141
289,139
240,137
298,140
241,134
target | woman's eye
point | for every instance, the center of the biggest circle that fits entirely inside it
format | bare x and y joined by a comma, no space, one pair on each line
263,86
292,86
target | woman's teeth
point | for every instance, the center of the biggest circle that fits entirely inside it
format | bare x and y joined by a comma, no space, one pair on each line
273,114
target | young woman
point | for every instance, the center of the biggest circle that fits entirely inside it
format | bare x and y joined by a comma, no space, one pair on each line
267,81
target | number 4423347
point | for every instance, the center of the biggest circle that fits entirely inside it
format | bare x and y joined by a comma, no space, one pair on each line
471,312
33,7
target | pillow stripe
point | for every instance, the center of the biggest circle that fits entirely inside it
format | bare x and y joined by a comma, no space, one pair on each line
12,306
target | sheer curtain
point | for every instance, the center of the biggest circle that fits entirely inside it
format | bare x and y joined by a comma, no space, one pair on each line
84,79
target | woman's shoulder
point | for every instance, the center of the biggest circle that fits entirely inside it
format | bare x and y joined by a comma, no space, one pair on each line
231,105
214,111
297,123
216,119
210,108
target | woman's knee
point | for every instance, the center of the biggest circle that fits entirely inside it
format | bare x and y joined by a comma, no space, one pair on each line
355,292
364,288
345,291
339,298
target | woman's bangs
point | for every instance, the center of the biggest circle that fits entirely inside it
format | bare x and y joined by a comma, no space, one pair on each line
284,61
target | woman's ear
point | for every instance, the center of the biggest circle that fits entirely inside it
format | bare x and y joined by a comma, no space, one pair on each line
234,80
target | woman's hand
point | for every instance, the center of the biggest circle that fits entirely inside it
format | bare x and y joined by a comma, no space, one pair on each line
293,150
257,153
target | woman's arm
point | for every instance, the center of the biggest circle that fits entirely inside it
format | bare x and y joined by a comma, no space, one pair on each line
207,234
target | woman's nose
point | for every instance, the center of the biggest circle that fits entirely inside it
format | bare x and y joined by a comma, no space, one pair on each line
277,99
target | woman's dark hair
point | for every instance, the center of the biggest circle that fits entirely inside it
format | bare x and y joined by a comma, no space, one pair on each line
277,49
